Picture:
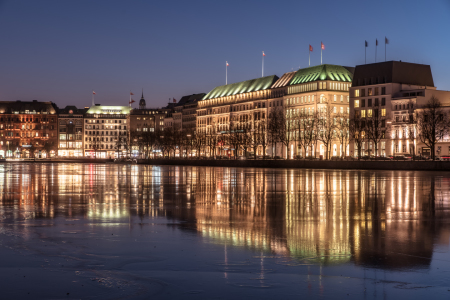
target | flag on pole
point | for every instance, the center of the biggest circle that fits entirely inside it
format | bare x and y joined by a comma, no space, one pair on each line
131,94
93,93
322,46
227,64
376,42
366,44
132,101
310,48
174,101
386,41
264,54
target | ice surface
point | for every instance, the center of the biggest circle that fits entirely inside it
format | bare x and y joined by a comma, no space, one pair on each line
95,231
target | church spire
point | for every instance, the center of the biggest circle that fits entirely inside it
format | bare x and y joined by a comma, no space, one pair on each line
142,101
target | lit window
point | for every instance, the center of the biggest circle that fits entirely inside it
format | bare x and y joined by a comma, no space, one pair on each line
363,113
383,112
369,113
356,103
356,93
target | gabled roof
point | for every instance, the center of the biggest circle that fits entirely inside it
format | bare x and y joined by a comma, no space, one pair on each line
323,72
247,86
393,72
284,80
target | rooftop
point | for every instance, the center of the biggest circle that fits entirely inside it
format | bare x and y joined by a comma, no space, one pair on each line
323,72
111,110
393,72
31,107
247,86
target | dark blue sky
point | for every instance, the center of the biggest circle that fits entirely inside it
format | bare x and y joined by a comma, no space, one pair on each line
60,50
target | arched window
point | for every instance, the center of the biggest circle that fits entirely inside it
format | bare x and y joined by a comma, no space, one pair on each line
322,98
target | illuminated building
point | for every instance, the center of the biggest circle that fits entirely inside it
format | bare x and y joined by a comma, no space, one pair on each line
247,105
28,129
70,132
144,123
395,91
106,131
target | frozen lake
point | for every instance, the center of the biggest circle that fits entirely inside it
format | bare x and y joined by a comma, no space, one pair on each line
108,231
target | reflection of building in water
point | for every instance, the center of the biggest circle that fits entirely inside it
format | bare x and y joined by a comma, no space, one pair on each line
327,217
384,219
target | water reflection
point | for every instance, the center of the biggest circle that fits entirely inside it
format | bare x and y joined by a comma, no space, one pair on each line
385,219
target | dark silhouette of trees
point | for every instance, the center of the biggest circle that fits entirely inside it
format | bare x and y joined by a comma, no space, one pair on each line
432,124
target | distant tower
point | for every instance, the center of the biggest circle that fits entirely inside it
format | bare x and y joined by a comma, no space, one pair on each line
142,101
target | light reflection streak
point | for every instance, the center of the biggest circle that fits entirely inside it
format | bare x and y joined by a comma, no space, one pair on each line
326,217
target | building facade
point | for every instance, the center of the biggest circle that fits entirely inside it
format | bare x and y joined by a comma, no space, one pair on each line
71,132
144,125
106,131
28,129
394,92
253,106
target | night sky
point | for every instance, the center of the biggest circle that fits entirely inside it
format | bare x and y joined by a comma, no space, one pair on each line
62,50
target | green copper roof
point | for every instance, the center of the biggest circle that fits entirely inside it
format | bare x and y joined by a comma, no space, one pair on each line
112,110
323,72
252,85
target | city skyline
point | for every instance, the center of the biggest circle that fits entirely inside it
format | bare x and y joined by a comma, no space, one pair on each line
182,51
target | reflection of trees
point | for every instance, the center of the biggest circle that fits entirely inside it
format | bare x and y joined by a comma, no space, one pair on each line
381,219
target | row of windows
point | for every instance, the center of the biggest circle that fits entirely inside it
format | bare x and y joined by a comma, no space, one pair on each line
27,134
372,113
37,120
405,106
145,129
78,145
107,127
362,102
370,92
106,121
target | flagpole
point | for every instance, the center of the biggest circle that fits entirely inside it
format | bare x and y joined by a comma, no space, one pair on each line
226,72
93,103
321,52
365,53
376,47
129,103
384,48
262,64
309,53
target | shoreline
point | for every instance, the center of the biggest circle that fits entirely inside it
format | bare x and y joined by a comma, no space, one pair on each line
269,163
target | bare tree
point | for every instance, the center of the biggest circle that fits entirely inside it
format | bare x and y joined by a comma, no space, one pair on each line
275,128
148,142
342,129
432,124
261,138
286,119
310,135
375,128
234,139
356,130
326,127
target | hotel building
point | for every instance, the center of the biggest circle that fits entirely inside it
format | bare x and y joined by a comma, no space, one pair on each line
244,105
106,131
